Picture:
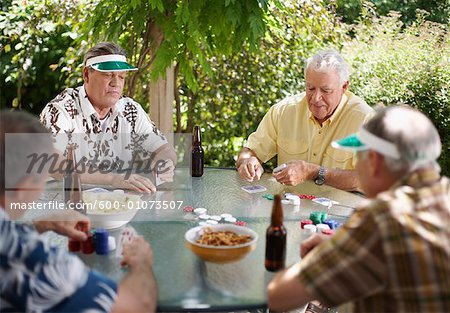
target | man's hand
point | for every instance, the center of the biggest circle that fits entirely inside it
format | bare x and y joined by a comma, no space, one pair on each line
137,254
296,172
67,223
250,169
310,243
134,182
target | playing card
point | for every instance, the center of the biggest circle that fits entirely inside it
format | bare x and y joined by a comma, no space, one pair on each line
127,235
254,188
279,168
325,201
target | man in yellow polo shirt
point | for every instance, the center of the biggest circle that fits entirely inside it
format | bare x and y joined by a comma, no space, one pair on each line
300,129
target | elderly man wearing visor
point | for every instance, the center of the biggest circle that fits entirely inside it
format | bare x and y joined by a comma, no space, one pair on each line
393,253
111,131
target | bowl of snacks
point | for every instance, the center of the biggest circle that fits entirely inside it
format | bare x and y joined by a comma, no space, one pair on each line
222,243
110,209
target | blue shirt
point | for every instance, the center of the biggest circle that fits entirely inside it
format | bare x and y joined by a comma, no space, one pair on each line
36,277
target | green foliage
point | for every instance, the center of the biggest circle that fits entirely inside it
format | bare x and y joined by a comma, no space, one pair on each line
439,10
396,64
35,34
193,31
230,104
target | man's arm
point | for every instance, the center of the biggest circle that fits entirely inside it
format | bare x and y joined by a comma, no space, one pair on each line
137,291
248,165
285,292
299,171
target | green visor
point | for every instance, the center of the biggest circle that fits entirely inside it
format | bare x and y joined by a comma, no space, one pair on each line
364,140
110,63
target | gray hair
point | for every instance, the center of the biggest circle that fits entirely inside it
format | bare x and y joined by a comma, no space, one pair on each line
325,61
414,135
104,48
21,135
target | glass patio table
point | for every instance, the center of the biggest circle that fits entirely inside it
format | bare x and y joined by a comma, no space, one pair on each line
185,283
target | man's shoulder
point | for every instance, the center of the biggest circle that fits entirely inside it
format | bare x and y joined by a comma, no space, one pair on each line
357,108
67,96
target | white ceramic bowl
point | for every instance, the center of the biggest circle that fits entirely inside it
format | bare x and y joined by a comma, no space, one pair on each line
220,254
108,209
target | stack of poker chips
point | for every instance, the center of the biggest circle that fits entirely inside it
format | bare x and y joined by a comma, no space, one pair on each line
98,241
333,224
318,217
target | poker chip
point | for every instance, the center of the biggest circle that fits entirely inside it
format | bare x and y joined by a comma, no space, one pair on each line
230,219
204,217
305,196
305,222
202,223
240,223
215,218
269,196
74,245
331,223
285,201
318,217
111,243
212,222
310,229
188,209
200,211
225,215
328,232
322,227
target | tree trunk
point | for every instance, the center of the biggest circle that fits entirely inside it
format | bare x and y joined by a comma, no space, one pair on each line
161,99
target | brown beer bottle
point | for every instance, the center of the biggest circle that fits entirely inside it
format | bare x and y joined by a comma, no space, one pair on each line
276,239
197,154
72,183
68,173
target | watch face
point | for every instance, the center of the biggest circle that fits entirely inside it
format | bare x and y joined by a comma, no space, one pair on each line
319,181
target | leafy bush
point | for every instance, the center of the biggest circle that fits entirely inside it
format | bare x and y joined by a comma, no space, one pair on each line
411,65
230,105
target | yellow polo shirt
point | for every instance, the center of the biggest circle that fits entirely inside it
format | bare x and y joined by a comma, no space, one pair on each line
290,131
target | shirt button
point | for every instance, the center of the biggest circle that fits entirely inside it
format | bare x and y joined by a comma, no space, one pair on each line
320,132
314,154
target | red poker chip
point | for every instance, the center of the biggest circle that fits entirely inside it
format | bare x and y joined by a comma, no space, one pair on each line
305,196
188,209
240,223
328,232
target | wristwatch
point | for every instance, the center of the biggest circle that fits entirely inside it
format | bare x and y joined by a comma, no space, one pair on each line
320,179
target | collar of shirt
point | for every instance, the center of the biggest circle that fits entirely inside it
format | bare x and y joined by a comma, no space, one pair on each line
419,178
88,108
336,113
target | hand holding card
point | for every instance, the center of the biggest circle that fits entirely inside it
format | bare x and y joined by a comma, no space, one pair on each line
127,235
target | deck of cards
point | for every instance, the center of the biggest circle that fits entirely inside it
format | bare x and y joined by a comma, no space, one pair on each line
127,235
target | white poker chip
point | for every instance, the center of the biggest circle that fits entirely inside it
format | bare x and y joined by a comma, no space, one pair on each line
212,222
200,211
321,227
309,229
111,243
285,201
225,215
119,191
216,218
204,217
202,223
230,219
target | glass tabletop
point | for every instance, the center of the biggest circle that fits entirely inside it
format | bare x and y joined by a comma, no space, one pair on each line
187,283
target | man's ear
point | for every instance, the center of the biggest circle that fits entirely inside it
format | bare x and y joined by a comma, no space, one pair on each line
376,161
86,74
345,85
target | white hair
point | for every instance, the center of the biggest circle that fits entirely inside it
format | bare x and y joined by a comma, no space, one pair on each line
325,61
414,135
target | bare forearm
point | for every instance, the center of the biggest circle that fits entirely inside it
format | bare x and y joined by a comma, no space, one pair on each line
342,179
245,154
137,292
